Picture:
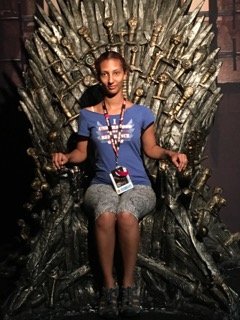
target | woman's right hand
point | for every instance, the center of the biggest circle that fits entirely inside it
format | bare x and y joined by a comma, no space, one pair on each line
59,159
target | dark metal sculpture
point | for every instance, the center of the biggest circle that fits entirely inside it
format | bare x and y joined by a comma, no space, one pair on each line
185,248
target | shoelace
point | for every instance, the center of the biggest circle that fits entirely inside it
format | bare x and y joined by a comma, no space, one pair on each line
127,295
109,295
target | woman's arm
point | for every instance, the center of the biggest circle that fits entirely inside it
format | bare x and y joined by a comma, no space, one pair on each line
154,151
79,154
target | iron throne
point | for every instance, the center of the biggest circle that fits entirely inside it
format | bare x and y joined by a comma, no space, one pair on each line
185,250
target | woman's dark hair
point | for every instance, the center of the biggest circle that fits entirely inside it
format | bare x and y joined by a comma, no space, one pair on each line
110,55
91,96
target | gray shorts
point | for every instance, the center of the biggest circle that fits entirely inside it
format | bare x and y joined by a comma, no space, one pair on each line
102,198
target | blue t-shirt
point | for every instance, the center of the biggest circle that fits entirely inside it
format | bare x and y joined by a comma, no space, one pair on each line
93,125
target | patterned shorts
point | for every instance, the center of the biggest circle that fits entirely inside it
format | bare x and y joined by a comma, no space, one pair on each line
102,198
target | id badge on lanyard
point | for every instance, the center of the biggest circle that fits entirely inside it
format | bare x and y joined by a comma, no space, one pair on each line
121,179
119,176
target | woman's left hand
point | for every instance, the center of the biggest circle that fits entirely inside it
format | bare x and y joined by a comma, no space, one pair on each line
180,160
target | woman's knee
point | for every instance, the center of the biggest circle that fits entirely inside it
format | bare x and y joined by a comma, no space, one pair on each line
126,220
105,220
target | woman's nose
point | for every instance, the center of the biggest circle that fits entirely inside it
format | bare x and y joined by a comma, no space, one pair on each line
110,78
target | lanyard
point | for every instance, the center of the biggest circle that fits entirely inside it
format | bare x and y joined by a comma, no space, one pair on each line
115,141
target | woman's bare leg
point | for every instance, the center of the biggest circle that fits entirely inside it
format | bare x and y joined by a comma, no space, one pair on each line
129,236
105,237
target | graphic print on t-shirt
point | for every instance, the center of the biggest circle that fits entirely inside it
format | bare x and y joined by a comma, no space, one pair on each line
126,134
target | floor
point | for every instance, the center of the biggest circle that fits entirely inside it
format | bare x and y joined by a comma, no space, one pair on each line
141,316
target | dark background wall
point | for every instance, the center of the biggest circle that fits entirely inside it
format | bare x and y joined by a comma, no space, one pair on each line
223,151
17,170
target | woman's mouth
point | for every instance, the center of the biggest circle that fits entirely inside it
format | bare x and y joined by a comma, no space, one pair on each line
111,87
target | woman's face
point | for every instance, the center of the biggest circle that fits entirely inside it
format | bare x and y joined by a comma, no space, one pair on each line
112,76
